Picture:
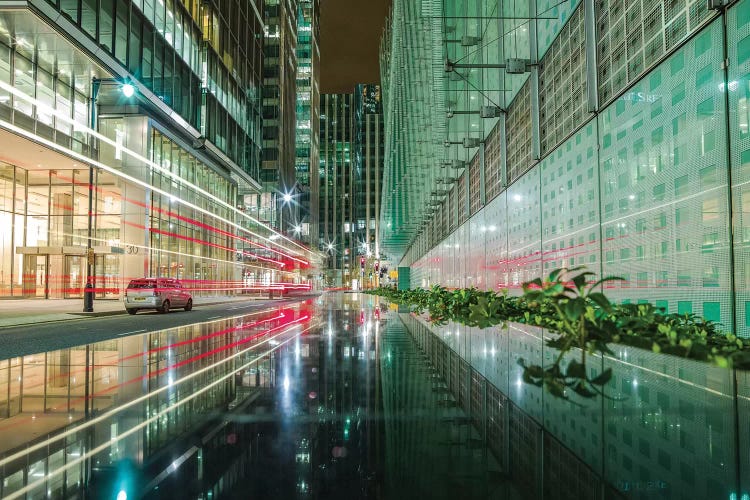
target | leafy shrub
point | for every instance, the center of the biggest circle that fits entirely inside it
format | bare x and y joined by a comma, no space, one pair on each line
571,305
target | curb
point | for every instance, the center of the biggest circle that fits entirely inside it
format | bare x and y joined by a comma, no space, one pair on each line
123,312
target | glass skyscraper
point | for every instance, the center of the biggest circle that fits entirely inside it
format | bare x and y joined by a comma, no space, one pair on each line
160,103
351,165
336,184
369,141
610,137
279,200
308,119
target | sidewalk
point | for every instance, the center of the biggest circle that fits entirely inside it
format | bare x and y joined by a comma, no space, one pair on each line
19,312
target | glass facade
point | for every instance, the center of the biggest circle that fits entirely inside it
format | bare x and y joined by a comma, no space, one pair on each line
368,173
337,223
163,203
280,99
307,138
642,178
202,59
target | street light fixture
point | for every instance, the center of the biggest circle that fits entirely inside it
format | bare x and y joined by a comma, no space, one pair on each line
128,91
286,199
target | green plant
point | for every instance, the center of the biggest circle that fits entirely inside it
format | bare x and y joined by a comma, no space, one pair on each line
582,318
570,304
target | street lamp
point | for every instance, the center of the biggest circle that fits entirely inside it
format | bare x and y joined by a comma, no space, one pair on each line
128,90
286,199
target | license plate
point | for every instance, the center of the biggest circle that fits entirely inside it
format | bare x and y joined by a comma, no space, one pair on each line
139,299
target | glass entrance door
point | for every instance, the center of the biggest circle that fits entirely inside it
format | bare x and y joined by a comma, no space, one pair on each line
75,272
107,272
35,276
56,277
41,283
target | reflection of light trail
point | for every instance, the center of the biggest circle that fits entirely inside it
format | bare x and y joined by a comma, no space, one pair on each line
115,364
91,453
207,336
197,357
209,244
161,371
101,190
97,164
133,402
154,166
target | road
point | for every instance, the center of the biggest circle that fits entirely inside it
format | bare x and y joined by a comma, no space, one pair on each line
32,339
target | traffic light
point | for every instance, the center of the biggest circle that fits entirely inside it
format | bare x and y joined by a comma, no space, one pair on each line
362,262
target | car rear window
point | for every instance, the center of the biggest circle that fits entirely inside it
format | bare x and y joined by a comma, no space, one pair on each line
142,284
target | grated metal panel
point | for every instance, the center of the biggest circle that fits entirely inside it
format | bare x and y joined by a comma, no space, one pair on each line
634,34
518,133
475,200
562,84
461,186
493,181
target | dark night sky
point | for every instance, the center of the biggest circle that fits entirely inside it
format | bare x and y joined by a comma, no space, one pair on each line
350,32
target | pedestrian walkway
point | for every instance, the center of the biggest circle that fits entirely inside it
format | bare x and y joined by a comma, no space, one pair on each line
19,312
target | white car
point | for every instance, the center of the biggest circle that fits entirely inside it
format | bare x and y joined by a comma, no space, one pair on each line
161,294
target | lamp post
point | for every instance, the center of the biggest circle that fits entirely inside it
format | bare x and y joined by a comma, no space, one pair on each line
128,91
88,293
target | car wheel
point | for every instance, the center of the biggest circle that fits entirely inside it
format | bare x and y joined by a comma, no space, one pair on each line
189,305
132,311
164,307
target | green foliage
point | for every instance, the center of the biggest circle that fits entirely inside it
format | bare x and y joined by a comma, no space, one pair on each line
571,304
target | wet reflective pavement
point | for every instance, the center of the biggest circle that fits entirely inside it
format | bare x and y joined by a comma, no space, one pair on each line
339,396
327,398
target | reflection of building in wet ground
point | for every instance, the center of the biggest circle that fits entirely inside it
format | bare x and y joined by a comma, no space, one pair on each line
121,413
363,403
666,431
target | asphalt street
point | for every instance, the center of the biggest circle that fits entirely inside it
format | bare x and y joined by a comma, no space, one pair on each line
32,339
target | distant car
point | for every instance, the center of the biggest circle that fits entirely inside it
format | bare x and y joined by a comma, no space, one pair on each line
161,294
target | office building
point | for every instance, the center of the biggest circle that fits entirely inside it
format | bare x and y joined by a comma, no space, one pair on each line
337,185
308,121
280,199
368,171
157,104
351,166
609,137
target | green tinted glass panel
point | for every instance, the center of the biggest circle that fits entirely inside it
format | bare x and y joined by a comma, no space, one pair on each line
684,307
712,311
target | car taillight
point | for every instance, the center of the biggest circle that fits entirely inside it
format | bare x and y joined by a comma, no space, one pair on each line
156,293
